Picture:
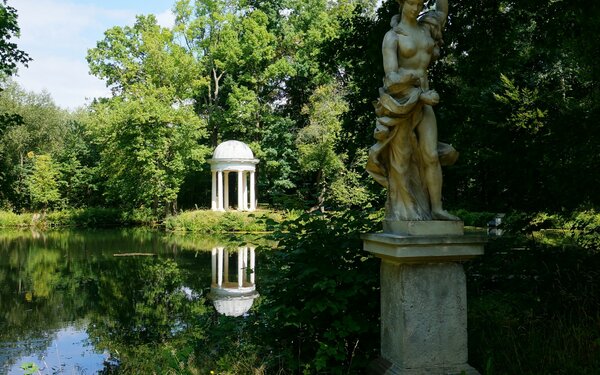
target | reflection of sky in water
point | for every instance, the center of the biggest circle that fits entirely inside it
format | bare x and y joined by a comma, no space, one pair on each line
69,352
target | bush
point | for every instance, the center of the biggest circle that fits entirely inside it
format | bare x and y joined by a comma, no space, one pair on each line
10,219
80,217
534,309
475,219
139,216
322,313
585,229
206,221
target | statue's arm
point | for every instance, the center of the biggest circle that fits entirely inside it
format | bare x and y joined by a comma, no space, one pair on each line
390,53
441,6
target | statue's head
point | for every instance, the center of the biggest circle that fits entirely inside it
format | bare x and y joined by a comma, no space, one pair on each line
414,6
401,2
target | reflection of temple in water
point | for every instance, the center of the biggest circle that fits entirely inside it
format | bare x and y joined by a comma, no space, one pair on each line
233,298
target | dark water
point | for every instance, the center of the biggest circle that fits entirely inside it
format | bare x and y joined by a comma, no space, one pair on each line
67,297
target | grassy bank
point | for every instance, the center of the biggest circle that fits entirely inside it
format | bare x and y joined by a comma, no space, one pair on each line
92,217
205,221
198,221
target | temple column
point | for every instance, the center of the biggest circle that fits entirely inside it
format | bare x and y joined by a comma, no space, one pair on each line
220,267
240,191
214,265
226,191
245,187
245,263
220,191
213,204
240,267
226,265
252,192
252,265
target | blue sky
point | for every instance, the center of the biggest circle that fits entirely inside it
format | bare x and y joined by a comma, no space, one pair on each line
57,35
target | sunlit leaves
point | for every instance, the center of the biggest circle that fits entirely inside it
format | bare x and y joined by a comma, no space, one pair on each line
522,103
10,55
42,182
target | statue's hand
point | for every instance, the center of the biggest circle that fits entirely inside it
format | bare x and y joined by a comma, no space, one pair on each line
430,97
401,77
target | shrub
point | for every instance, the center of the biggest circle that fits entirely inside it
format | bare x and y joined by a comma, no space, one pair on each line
10,219
533,308
474,219
585,229
323,311
206,221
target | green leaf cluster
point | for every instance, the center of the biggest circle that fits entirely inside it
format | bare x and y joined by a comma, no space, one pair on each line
321,288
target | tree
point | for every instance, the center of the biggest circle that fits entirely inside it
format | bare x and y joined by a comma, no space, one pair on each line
10,54
37,125
316,142
521,120
42,182
148,133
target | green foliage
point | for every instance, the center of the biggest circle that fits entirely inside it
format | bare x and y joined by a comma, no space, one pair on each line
10,54
222,222
42,183
586,229
11,219
523,111
34,124
30,368
533,308
474,219
322,288
90,217
523,121
148,135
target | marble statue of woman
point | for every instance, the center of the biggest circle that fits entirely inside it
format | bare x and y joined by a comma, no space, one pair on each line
407,157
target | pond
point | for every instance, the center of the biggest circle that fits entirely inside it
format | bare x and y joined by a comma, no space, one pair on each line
75,301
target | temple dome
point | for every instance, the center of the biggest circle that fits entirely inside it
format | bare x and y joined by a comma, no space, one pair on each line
233,150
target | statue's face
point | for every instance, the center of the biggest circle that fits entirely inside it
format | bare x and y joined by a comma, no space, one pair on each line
412,8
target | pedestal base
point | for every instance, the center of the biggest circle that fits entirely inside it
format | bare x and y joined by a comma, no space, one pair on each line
423,302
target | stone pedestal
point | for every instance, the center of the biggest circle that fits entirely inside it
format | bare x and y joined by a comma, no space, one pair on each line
423,298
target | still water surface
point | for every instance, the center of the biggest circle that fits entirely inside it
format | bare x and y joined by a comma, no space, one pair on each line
67,296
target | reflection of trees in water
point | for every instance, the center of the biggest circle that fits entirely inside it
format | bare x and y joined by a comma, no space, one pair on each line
140,300
134,305
35,297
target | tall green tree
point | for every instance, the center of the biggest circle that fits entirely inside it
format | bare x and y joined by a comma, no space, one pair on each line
519,97
42,181
316,142
38,125
148,133
10,54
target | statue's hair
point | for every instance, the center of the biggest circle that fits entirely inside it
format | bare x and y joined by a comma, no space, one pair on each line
425,3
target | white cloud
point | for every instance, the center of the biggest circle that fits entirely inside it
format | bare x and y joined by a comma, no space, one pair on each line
66,79
166,18
57,35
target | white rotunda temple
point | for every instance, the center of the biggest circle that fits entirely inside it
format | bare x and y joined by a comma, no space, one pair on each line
233,156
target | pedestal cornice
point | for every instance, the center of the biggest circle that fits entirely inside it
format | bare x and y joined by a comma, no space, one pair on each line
423,249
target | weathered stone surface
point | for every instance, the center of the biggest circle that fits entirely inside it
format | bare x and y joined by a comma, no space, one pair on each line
424,228
423,302
423,314
407,157
418,249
